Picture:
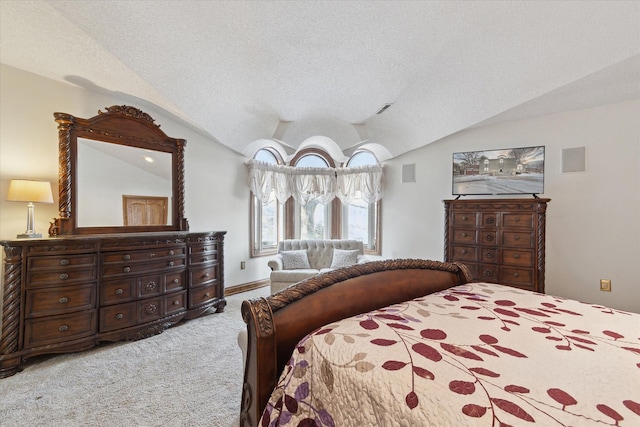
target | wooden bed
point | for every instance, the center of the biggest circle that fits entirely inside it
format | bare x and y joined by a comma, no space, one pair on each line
415,342
275,324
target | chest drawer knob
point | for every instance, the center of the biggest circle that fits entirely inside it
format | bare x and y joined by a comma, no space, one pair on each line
151,255
64,276
516,238
126,269
464,234
516,274
176,280
64,262
171,263
489,237
63,300
151,308
207,294
517,219
490,255
206,275
205,259
63,328
176,302
119,316
119,291
126,257
517,256
150,285
464,251
171,252
464,218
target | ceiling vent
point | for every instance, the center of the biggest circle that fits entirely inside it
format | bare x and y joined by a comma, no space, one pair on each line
382,110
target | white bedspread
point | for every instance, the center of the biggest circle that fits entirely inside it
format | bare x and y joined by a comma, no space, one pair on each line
474,355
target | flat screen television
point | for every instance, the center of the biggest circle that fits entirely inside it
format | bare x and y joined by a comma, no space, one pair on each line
495,172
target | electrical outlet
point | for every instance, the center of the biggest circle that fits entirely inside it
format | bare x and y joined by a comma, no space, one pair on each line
242,265
605,285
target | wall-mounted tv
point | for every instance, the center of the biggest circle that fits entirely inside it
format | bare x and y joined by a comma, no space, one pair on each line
494,172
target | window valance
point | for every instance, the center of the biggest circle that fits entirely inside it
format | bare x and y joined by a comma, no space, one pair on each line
320,184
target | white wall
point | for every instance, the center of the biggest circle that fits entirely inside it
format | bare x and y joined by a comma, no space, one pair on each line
593,230
593,219
216,194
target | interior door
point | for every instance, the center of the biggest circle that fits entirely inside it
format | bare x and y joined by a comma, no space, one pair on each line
144,210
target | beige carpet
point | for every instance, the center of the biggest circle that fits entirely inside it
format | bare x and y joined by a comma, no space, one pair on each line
190,375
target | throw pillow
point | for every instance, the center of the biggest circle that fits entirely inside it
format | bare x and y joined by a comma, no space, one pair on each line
293,260
344,258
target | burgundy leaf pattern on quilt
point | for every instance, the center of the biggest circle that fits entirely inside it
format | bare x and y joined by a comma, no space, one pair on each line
502,354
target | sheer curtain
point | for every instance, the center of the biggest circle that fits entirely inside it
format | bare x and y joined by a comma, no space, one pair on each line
321,184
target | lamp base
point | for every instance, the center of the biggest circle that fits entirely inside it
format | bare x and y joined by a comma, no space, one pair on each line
30,236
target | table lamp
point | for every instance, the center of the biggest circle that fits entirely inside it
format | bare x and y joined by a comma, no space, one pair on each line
32,191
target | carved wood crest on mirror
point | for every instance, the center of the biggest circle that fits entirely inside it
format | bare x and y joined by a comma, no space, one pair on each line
118,173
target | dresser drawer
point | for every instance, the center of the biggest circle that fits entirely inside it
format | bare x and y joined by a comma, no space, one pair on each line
65,327
517,276
464,236
521,258
204,275
175,281
149,286
488,273
517,239
203,248
117,316
489,219
202,295
517,220
60,299
150,309
133,268
175,303
463,219
62,261
117,291
464,253
144,255
488,237
61,276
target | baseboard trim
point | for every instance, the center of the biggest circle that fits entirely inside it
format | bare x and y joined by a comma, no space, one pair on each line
231,290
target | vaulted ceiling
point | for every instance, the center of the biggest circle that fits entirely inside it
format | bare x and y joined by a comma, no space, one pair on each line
242,71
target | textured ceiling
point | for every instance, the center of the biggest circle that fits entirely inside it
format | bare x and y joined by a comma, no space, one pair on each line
244,71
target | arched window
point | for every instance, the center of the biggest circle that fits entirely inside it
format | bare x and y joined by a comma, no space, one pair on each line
313,220
361,220
267,218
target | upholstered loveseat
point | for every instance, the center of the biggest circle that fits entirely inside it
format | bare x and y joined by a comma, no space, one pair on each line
300,259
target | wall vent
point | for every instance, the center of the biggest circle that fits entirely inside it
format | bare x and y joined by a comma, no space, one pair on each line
384,108
409,173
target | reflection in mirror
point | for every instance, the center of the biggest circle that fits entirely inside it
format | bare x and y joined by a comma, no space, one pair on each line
107,172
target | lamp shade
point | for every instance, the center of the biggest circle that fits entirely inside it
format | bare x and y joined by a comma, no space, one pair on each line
26,190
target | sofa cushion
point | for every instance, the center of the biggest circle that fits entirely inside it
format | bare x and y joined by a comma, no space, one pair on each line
293,276
344,258
294,260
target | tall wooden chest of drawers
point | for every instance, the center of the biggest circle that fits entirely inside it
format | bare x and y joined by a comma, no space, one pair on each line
500,240
70,293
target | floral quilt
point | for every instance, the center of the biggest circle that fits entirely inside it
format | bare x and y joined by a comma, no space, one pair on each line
474,355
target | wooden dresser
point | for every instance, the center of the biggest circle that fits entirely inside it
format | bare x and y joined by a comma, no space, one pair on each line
500,240
70,293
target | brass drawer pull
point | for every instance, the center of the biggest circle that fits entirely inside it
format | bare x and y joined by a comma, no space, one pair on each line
489,237
176,302
126,269
516,274
64,262
171,252
206,275
516,238
464,234
151,255
464,251
171,263
126,257
150,285
119,291
517,219
464,218
517,256
64,276
119,316
63,300
206,294
490,255
63,328
176,280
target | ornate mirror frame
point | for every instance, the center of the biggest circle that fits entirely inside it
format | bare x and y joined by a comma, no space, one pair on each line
122,125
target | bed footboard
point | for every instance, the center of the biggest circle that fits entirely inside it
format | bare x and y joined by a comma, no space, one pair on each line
275,324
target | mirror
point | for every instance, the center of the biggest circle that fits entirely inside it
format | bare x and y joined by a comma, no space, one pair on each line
118,173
